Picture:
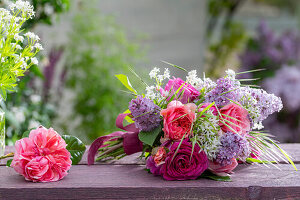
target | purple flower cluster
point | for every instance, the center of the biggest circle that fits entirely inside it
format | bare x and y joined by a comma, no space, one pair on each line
267,49
232,146
286,83
267,103
146,114
226,88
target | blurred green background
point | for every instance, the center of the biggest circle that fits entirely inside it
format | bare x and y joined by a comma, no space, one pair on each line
86,43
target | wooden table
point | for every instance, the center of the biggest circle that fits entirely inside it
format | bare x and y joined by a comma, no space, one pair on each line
127,179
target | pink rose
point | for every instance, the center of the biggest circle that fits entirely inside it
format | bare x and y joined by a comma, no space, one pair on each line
220,170
42,157
238,117
212,108
178,119
186,163
189,94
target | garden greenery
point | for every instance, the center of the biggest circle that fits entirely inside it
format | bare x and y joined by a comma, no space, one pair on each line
17,49
97,50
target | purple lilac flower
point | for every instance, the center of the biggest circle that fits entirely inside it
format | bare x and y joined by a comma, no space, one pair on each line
232,146
286,84
146,114
270,50
225,89
267,103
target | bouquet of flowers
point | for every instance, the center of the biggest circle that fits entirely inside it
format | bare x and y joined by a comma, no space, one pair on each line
194,128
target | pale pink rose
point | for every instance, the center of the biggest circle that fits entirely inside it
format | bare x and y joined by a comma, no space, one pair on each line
220,170
238,117
178,119
42,157
189,94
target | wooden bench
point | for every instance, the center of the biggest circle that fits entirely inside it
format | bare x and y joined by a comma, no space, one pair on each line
127,179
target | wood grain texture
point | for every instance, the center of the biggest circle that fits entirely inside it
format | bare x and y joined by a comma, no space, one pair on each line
132,181
125,179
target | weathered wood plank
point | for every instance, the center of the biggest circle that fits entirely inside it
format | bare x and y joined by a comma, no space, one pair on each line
131,181
292,149
128,160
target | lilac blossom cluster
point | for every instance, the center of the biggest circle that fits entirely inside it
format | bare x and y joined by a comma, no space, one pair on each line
286,83
226,89
146,114
269,50
232,146
267,103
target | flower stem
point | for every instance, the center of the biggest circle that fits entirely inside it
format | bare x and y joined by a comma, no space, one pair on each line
7,155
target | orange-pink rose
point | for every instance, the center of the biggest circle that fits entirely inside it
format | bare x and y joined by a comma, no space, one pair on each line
178,119
160,155
42,157
238,119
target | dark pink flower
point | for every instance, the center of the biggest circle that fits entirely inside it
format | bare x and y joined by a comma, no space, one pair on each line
185,164
189,94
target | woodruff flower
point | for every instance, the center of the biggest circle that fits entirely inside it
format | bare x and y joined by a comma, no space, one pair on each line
146,114
232,146
19,47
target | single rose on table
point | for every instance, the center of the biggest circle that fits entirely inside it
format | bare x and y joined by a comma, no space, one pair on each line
42,157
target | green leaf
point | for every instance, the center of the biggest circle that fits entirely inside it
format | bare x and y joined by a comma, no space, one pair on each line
26,134
8,163
128,119
125,81
36,71
75,147
149,137
207,174
181,68
254,160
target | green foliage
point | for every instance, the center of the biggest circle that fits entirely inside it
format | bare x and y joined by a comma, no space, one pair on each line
22,111
8,163
45,11
125,81
224,36
75,147
98,49
207,174
17,49
150,136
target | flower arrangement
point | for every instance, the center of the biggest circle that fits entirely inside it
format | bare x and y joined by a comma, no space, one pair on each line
194,128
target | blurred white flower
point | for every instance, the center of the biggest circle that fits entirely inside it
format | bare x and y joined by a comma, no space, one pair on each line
230,73
34,61
33,124
49,9
18,113
153,73
35,98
